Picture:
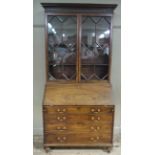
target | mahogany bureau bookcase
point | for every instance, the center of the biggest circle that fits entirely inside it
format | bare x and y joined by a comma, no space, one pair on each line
77,106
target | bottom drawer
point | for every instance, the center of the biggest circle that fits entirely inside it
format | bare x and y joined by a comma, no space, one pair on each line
77,139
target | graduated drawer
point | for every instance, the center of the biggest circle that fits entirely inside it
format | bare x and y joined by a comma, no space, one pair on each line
78,128
79,109
77,138
76,118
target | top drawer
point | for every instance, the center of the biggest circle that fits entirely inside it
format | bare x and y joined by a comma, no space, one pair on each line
95,109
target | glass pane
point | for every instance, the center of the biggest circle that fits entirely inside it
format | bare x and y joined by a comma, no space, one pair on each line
95,46
62,47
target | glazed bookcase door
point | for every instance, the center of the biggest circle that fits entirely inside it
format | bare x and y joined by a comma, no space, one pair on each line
62,47
95,47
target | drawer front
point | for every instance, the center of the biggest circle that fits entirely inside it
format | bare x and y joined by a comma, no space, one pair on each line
77,139
73,118
78,128
78,125
78,109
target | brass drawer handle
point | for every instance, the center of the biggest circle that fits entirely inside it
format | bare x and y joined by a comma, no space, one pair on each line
61,139
99,110
95,138
61,118
58,118
95,128
97,118
92,127
61,111
95,110
92,118
61,128
92,110
64,118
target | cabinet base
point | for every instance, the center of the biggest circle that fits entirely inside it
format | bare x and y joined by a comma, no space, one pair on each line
107,149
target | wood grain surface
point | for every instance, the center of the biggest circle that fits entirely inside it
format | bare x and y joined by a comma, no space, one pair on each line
76,109
78,124
78,128
78,94
77,138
